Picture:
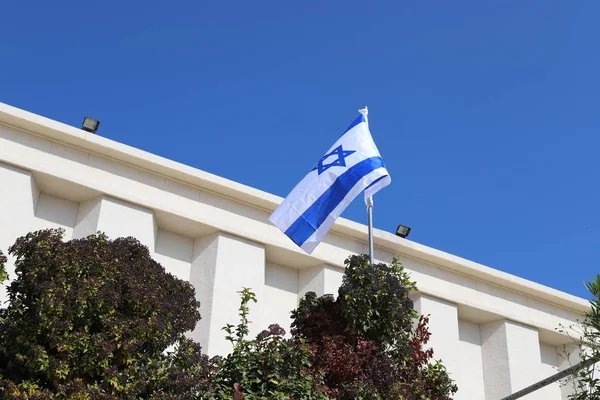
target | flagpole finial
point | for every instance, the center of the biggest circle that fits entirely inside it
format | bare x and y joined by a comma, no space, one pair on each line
364,111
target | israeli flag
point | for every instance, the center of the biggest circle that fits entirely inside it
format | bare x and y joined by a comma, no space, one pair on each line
351,166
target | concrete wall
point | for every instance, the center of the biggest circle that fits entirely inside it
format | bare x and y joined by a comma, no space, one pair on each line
495,332
175,253
280,295
470,380
18,202
55,212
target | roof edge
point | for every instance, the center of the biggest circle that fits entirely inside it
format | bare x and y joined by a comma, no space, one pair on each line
75,137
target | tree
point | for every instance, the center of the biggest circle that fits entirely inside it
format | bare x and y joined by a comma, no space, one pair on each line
364,343
91,319
586,382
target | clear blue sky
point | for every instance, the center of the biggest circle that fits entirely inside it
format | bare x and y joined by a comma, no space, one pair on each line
486,112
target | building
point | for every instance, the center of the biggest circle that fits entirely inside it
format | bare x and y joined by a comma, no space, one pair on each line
495,332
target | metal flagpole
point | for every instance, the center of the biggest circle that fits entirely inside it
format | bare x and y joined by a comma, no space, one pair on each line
365,111
551,379
370,218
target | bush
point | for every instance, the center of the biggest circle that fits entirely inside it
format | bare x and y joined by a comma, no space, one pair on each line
364,343
92,318
269,367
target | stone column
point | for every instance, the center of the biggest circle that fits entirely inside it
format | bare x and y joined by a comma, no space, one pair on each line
443,325
470,382
221,266
18,201
511,358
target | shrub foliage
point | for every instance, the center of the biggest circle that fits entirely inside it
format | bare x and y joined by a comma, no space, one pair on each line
584,384
269,367
364,343
93,318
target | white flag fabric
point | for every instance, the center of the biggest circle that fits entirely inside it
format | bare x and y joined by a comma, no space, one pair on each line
351,166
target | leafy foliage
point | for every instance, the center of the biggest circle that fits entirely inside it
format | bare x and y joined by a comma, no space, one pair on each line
375,302
91,318
585,383
3,274
269,367
364,343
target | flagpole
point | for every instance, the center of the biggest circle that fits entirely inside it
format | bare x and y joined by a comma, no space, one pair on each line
370,219
365,111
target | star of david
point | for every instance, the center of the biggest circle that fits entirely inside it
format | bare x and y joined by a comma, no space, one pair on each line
339,162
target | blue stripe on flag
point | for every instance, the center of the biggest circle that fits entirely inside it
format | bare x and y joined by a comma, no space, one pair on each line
317,213
377,180
358,120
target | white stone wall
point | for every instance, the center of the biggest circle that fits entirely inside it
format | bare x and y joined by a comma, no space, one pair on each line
549,367
18,202
495,333
175,253
470,379
280,295
322,279
443,317
55,212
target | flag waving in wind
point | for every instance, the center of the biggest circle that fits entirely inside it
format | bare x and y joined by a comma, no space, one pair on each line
351,166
